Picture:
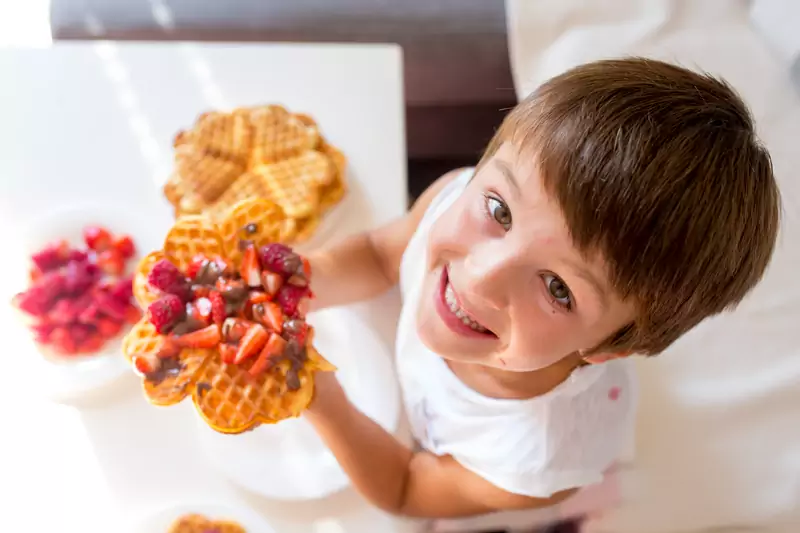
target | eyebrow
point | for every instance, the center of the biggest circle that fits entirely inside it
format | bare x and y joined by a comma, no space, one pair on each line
589,277
505,170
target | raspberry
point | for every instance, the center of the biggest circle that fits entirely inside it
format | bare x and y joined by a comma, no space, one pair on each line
51,256
77,255
37,299
167,278
110,306
165,312
289,297
280,259
218,313
79,277
122,290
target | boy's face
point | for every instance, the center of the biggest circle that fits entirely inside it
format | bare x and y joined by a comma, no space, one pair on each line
505,287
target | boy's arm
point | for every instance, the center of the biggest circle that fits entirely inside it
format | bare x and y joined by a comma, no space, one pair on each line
396,479
368,264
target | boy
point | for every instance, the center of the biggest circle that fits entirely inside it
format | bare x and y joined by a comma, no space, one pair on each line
616,208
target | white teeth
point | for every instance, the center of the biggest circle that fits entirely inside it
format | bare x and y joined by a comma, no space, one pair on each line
452,303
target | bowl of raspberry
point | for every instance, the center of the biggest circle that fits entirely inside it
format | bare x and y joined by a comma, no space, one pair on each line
76,302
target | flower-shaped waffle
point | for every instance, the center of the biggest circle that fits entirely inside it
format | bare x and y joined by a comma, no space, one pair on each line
196,523
225,321
257,152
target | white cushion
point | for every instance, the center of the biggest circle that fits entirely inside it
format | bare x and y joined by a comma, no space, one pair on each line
718,438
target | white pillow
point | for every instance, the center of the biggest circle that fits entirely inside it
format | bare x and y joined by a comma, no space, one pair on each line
718,439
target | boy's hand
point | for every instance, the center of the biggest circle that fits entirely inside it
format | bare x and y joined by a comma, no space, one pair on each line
328,395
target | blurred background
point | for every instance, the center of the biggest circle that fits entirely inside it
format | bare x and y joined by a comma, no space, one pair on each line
456,65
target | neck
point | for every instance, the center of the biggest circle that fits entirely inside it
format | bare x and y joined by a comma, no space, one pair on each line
499,383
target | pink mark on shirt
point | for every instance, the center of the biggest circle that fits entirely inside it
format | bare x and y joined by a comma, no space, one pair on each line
613,393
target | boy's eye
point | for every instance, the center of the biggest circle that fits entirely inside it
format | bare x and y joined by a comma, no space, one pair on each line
558,290
499,211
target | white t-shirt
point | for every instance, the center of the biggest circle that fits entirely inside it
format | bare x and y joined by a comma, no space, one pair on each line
566,438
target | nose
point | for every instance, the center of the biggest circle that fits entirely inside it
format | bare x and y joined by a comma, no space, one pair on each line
487,276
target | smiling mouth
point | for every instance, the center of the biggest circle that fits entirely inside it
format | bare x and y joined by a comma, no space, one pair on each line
451,301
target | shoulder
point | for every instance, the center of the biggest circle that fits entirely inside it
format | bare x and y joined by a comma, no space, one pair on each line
565,439
447,181
590,421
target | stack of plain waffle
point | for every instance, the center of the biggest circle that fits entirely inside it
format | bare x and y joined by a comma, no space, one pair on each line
259,152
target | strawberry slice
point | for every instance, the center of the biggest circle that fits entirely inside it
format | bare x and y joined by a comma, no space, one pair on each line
252,342
108,327
257,297
200,310
218,311
96,238
123,244
273,348
197,264
111,262
250,270
145,364
168,348
34,273
91,344
207,337
233,329
132,314
62,341
269,314
271,281
228,353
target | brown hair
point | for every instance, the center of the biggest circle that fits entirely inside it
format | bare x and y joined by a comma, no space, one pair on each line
659,170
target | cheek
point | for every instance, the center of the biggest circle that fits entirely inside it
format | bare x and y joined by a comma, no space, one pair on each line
541,338
458,228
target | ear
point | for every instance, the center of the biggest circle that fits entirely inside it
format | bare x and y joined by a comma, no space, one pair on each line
597,358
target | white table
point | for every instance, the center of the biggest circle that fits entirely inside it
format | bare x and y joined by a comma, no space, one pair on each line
88,122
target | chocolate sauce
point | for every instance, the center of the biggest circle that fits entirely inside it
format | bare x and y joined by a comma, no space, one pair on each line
292,381
258,312
293,326
251,228
244,244
208,274
187,325
297,356
202,388
293,263
168,367
235,294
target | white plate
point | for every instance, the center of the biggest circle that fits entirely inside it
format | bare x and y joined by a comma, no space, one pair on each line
161,520
288,461
60,377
